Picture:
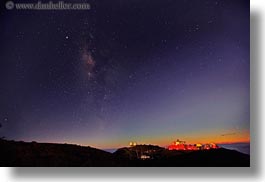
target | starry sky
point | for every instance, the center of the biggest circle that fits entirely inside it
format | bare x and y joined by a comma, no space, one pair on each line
148,71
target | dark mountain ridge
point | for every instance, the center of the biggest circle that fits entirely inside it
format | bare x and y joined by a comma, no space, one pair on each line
30,154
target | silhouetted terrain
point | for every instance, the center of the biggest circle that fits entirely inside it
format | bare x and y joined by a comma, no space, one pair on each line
44,154
172,158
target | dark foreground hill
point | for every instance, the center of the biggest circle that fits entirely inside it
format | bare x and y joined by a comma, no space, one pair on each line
171,158
44,154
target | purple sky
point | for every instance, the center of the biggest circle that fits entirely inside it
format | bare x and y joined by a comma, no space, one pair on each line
148,71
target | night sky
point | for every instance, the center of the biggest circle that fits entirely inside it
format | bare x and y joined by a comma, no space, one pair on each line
148,71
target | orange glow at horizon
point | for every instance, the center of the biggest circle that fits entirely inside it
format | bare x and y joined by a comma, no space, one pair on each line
218,137
190,138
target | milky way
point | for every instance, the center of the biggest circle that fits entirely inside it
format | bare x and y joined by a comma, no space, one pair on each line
89,63
145,71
